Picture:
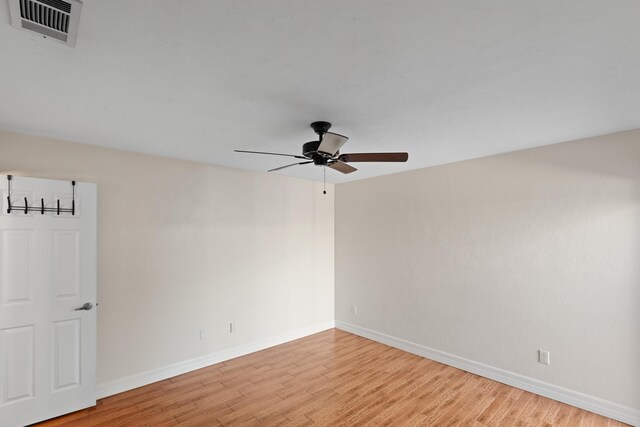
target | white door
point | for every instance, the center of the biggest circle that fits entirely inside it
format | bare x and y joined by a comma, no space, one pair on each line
47,271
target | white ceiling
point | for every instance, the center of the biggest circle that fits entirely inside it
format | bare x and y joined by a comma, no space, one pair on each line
443,80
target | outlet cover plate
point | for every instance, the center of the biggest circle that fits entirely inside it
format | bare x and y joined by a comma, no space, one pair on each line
544,357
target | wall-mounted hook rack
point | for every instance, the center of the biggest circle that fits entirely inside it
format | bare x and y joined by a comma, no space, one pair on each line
42,209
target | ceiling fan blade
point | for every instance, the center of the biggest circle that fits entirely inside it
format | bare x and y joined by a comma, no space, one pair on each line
287,166
331,143
342,167
374,157
271,154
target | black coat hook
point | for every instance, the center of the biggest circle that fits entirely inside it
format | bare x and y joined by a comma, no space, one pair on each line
42,207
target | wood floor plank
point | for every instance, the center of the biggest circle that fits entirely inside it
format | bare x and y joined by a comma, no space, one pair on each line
330,378
551,415
515,413
566,417
474,391
471,417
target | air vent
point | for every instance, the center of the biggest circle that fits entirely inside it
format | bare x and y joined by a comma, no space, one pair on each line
57,19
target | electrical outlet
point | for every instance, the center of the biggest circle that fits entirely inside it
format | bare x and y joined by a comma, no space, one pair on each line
354,309
203,334
544,357
232,327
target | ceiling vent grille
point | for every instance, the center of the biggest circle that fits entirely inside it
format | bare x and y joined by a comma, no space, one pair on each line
57,19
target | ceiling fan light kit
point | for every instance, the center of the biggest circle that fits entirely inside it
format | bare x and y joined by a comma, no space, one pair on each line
326,152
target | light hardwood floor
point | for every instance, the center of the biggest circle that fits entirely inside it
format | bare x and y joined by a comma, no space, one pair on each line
331,378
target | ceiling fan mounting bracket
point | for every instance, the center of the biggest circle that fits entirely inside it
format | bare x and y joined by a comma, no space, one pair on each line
321,127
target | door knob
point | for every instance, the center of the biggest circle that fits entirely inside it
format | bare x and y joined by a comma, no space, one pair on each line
87,306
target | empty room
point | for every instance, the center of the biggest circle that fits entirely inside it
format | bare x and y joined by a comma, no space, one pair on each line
335,213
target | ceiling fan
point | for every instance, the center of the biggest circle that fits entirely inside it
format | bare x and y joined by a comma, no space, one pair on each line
326,152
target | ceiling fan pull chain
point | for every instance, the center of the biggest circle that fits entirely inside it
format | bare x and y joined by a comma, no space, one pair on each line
324,180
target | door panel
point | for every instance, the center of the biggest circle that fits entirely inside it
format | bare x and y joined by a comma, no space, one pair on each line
66,263
16,256
17,363
66,354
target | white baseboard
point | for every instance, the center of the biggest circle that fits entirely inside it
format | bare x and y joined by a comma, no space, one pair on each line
603,407
138,380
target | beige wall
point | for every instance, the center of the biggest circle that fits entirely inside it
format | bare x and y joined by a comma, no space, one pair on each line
184,246
494,258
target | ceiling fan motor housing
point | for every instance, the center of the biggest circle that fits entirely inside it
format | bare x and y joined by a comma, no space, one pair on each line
310,150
